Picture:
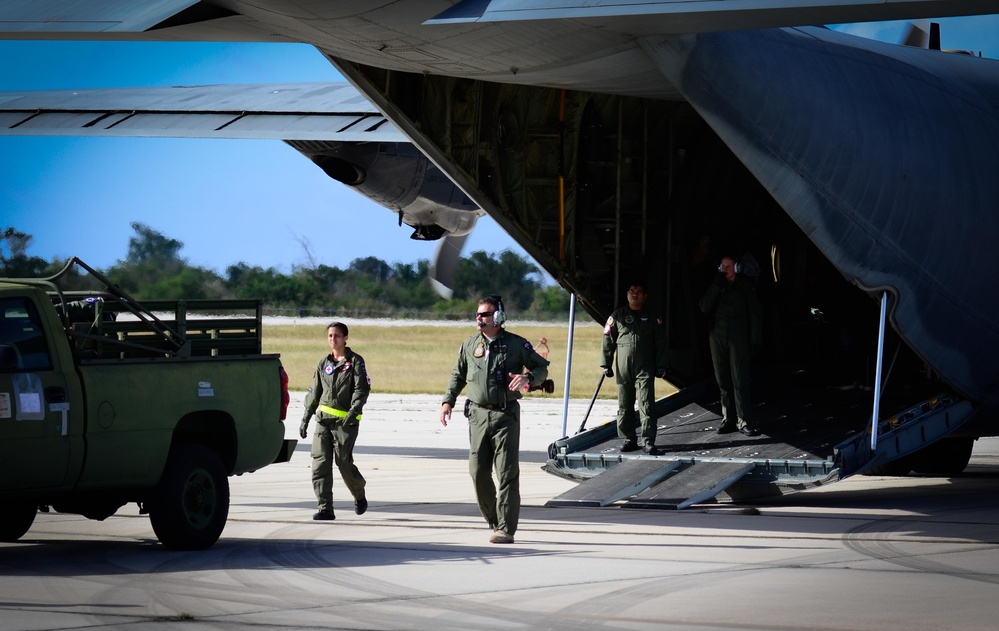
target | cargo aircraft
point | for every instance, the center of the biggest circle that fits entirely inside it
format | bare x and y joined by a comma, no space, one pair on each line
852,179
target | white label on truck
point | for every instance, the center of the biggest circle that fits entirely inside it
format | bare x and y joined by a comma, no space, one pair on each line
206,392
30,402
64,408
4,405
27,397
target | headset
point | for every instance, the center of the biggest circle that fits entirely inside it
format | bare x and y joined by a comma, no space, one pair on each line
499,316
738,267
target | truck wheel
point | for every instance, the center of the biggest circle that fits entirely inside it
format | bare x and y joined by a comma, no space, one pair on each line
20,516
189,508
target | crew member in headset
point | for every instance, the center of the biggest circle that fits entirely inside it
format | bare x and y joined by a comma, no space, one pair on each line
640,342
496,365
736,334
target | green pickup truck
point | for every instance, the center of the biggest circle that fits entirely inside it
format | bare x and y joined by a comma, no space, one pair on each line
105,401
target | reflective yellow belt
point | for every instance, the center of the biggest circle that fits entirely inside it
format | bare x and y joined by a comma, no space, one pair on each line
335,412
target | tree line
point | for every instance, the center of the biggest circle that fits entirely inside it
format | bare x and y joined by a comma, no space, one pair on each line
153,268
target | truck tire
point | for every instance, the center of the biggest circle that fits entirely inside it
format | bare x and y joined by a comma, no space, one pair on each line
20,516
189,507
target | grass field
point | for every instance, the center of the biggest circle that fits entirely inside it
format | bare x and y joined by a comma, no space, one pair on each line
418,359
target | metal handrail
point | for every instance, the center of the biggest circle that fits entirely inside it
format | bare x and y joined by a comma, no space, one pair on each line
877,376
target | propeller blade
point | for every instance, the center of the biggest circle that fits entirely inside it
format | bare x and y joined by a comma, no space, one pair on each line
445,265
916,36
922,35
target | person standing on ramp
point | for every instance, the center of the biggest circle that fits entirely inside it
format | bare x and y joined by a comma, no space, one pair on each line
639,339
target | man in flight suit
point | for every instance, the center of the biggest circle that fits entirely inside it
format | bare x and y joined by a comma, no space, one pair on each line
640,342
736,333
497,366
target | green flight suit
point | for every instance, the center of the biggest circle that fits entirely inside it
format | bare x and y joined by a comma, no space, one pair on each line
736,333
337,395
640,341
494,419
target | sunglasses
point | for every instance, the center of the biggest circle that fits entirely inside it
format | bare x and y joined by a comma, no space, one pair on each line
485,314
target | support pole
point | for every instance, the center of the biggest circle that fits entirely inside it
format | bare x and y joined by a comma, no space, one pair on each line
877,375
568,364
592,401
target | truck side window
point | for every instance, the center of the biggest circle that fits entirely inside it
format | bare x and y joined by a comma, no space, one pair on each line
21,329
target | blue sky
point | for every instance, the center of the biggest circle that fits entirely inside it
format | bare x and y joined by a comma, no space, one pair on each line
256,201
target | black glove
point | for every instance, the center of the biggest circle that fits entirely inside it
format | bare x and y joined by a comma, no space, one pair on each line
547,386
607,371
303,428
661,373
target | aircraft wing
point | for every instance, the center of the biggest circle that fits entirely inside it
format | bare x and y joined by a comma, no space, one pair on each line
303,111
332,124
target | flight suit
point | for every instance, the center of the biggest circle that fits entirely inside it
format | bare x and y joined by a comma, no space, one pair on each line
336,396
494,419
640,341
736,332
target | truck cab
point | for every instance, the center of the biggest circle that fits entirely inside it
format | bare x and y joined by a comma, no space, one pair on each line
41,403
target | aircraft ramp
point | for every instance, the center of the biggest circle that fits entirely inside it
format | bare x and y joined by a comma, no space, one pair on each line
809,437
653,483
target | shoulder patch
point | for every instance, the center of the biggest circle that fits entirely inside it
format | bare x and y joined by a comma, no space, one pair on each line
607,327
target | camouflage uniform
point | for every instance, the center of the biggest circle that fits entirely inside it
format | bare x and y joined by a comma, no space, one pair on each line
338,392
736,332
494,419
640,341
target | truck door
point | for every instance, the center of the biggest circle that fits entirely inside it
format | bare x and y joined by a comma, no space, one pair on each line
35,420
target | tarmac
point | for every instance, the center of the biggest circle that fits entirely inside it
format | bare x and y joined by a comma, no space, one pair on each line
913,553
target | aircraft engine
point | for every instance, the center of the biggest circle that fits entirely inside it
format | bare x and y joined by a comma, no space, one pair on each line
340,170
399,177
